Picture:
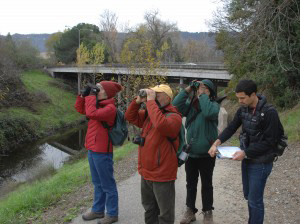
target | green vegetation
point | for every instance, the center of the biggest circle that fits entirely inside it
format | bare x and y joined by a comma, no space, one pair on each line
30,200
261,41
291,121
50,109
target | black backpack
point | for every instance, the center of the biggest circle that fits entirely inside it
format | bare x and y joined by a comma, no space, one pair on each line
282,138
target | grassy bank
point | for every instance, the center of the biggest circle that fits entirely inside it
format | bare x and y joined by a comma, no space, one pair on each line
53,110
29,201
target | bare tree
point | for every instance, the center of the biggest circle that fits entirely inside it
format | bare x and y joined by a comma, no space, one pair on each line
201,51
108,26
159,31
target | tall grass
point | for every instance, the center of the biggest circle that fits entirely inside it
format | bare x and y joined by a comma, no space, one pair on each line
30,200
60,110
291,123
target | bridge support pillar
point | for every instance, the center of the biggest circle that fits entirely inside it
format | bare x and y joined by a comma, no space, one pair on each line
181,83
79,82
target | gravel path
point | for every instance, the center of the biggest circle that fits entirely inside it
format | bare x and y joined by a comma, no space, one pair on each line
282,193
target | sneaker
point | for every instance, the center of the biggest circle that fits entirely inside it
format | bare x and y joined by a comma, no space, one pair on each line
108,220
188,216
92,215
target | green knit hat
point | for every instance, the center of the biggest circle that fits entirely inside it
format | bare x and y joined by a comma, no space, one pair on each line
210,85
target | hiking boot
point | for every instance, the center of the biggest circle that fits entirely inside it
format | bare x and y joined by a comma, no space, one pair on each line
92,215
108,220
188,216
208,217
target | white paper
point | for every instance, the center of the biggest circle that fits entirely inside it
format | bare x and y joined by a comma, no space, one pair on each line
226,152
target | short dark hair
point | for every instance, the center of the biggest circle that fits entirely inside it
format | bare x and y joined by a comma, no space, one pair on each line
246,86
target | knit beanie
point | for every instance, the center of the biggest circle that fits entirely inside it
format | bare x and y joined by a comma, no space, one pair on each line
111,88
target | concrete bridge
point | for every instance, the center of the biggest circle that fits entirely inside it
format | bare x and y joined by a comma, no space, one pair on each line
176,73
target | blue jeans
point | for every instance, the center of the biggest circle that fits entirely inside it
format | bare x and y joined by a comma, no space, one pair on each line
254,176
105,188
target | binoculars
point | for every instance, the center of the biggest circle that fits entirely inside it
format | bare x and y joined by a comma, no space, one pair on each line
194,85
142,93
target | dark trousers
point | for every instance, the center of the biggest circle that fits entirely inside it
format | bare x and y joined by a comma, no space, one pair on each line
158,200
255,176
204,166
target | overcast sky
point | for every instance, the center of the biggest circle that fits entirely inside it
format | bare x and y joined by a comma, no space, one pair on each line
49,16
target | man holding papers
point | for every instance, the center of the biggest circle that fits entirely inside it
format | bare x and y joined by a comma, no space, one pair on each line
258,140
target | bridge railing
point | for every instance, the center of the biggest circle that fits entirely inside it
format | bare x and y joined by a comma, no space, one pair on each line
208,66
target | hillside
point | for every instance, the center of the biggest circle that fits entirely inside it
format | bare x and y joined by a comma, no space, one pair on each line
38,40
49,108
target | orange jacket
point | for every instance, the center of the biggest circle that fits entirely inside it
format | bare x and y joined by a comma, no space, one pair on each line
96,138
157,159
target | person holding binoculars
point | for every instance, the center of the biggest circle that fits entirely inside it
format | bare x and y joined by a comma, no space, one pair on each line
97,103
197,103
157,160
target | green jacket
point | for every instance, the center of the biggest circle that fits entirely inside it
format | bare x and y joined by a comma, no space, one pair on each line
203,129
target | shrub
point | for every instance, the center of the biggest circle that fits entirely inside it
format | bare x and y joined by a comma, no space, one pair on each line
14,131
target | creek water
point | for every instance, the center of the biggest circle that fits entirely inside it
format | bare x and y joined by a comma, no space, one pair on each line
30,161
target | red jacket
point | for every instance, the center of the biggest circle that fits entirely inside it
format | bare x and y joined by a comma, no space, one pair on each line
97,136
157,159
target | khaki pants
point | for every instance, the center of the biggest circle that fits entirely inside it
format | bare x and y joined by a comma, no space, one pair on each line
158,200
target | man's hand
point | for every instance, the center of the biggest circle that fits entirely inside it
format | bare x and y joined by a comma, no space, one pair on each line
188,89
140,100
201,89
151,95
213,150
86,91
239,155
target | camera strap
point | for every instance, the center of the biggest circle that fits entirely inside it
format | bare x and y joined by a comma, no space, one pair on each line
192,100
188,123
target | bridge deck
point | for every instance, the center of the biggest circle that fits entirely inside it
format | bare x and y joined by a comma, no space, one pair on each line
181,71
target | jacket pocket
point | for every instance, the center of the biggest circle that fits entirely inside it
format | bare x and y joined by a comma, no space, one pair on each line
149,158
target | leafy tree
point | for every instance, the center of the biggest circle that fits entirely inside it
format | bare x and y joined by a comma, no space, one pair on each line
65,48
83,55
137,54
98,54
261,40
50,43
28,57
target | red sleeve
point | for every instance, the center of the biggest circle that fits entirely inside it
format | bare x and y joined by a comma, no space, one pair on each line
134,115
167,125
102,114
80,105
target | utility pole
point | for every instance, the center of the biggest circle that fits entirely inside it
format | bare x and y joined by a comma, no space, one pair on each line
79,73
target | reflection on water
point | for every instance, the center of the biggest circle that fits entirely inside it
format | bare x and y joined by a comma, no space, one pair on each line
49,156
28,161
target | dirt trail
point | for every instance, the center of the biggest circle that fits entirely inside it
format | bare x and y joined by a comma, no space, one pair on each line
282,194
